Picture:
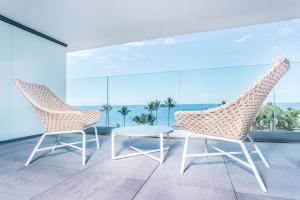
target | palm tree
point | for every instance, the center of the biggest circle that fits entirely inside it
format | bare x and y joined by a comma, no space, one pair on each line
150,119
136,119
156,107
150,107
106,108
124,111
144,119
141,119
169,103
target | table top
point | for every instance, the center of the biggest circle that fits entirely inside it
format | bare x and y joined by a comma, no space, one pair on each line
145,130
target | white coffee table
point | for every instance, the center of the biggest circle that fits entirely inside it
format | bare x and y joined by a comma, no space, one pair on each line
142,131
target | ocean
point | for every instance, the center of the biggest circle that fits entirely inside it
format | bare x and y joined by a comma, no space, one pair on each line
115,118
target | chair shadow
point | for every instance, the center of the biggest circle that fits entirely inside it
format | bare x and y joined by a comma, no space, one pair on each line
172,148
125,146
225,162
58,152
191,163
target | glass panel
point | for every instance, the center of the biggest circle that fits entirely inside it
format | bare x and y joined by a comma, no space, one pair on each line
191,90
88,93
136,91
287,97
209,87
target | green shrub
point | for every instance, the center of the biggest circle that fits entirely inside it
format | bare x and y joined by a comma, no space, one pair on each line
270,116
144,119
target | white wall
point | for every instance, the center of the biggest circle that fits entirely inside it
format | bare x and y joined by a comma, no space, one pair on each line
31,58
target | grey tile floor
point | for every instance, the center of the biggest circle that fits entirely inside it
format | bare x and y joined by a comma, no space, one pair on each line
59,175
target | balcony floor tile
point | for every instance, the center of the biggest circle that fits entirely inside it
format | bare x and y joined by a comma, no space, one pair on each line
59,174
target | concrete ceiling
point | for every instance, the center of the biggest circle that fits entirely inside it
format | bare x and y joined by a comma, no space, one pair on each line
84,24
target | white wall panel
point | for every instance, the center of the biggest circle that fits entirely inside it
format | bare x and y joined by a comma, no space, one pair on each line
36,60
30,58
5,31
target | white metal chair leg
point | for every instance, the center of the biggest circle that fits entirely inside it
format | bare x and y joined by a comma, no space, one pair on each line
184,154
97,138
259,152
56,142
254,169
205,145
83,147
35,149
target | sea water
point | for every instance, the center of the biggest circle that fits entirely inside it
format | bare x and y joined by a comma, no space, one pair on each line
115,118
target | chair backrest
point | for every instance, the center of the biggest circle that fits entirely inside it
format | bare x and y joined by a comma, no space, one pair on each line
41,97
245,106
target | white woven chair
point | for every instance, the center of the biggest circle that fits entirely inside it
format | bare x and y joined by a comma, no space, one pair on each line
231,122
58,118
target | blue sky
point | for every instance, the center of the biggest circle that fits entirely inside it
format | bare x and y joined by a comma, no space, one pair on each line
250,45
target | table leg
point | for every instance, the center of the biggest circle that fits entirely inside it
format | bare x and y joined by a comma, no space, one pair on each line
112,145
168,140
129,141
161,136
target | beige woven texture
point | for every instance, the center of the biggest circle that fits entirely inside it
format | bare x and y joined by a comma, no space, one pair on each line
233,120
55,114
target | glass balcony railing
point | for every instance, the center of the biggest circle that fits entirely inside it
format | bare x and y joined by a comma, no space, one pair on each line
197,89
